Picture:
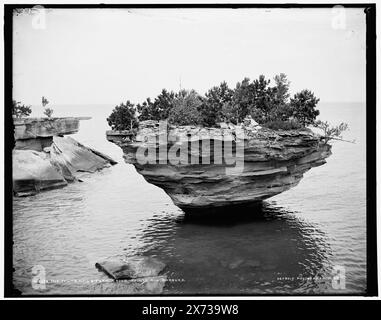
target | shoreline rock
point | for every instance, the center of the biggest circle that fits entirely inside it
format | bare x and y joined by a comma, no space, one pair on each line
137,274
131,268
43,159
33,128
271,162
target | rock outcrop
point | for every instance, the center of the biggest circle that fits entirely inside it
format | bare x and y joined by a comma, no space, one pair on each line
216,167
43,159
138,274
131,268
34,128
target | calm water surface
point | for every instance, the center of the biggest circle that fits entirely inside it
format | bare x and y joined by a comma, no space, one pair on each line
289,246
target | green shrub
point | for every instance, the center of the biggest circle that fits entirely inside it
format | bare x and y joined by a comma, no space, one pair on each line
303,107
48,112
212,110
281,112
230,112
268,105
258,115
20,110
282,86
158,109
242,101
331,131
185,111
123,117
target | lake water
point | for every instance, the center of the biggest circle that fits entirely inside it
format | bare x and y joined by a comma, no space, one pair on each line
289,246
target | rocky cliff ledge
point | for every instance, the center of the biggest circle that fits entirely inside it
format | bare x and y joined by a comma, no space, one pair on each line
263,163
44,159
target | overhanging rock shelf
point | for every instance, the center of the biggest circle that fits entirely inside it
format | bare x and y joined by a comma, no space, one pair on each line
265,162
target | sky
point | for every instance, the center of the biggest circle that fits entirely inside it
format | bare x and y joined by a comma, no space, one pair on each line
99,56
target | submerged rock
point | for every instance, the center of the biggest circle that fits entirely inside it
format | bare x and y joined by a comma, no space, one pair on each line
236,263
43,159
132,268
214,167
149,285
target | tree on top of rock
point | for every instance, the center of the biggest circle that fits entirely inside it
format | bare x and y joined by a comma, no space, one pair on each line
303,106
282,85
20,110
264,95
48,111
185,111
269,105
123,117
157,110
211,110
242,102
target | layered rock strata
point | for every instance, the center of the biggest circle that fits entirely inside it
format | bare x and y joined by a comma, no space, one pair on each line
43,159
217,167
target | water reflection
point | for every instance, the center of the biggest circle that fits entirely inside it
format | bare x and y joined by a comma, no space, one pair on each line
262,250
